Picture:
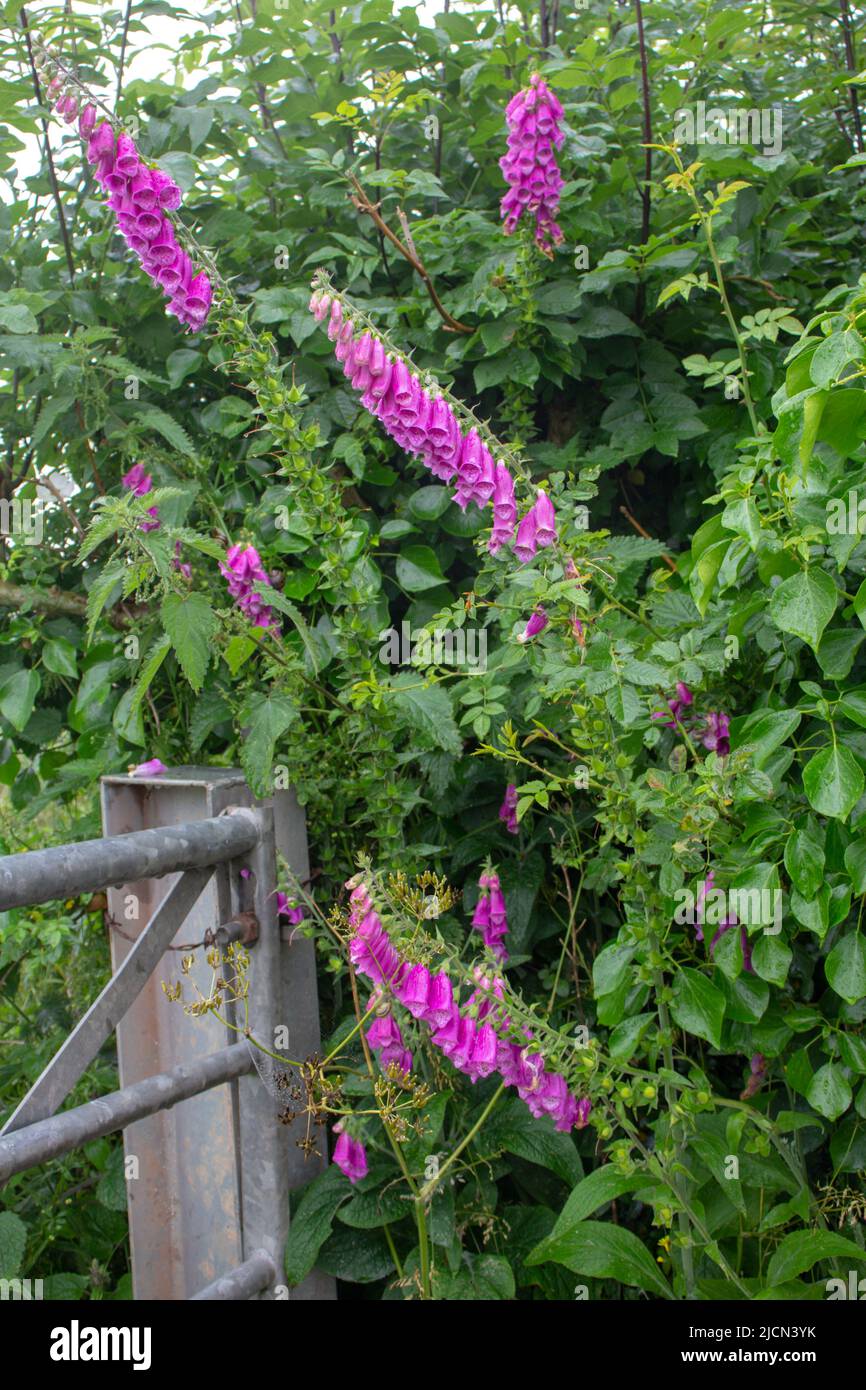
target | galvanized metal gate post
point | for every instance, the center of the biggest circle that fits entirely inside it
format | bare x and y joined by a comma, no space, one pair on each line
208,1182
185,856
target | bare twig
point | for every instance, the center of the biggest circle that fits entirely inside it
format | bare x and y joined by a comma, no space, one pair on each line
851,64
363,204
647,135
52,172
633,521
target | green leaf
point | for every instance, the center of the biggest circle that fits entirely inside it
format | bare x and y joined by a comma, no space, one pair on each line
100,592
279,601
155,657
17,318
191,624
598,1188
418,569
13,1239
603,1251
697,1006
771,959
512,1128
804,861
833,782
428,709
58,656
171,431
313,1221
804,604
803,1249
828,1091
266,718
18,695
845,968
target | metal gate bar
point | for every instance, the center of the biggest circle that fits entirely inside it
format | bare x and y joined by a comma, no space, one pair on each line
69,1064
45,875
254,1276
60,1133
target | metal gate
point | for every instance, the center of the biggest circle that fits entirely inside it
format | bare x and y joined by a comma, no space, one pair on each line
186,855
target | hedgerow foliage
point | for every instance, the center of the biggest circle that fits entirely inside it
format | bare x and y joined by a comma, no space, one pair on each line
683,373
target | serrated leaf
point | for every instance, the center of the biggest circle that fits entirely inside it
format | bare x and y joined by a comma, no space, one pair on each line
266,718
190,623
428,708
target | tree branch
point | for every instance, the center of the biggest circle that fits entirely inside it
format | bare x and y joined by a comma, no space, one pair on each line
52,172
363,204
851,63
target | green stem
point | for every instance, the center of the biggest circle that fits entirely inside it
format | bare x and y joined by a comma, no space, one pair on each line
429,1188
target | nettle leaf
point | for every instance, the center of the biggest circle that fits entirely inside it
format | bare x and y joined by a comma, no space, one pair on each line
429,709
833,782
265,718
603,1251
697,1006
13,1239
191,624
173,433
804,604
845,968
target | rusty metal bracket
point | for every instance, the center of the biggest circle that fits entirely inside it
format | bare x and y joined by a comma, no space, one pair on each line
243,927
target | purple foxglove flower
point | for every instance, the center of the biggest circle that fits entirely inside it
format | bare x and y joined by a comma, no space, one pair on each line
384,1032
137,481
508,809
101,144
584,1106
717,734
154,524
350,1156
293,913
440,1001
87,121
126,156
415,991
537,623
533,118
168,195
526,542
705,888
482,1061
545,520
154,768
399,1057
757,1077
